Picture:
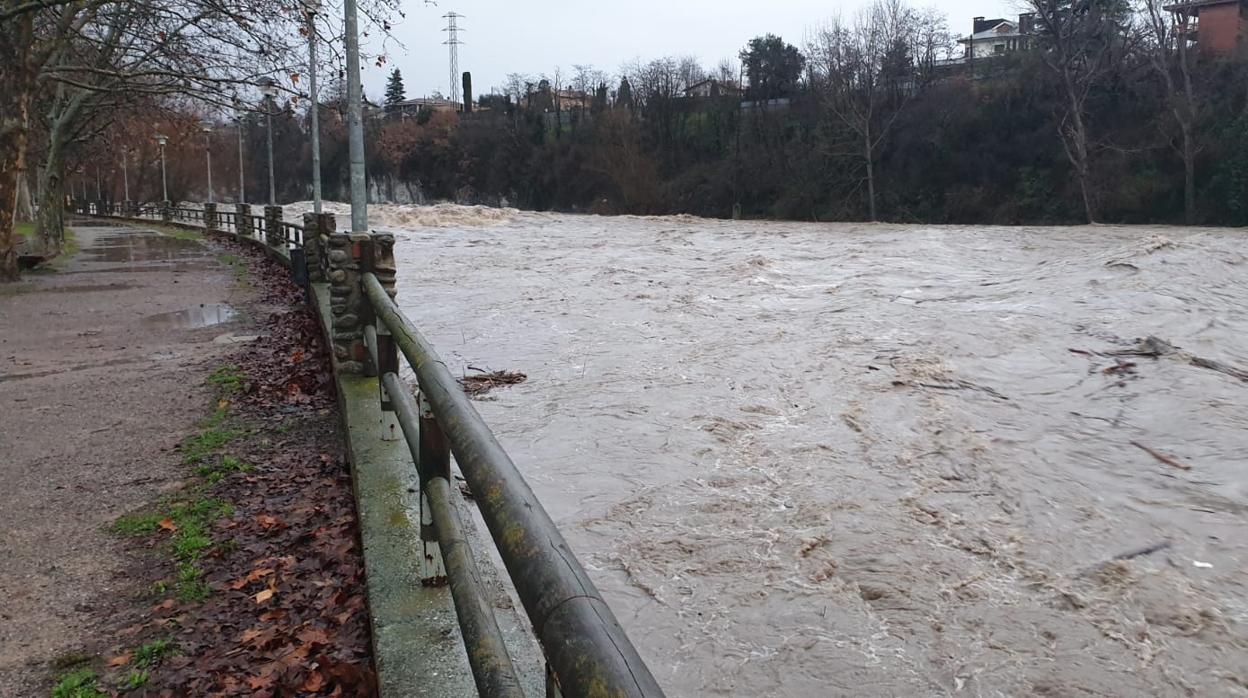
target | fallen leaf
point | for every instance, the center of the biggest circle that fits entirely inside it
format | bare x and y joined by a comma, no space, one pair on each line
167,524
264,595
120,660
257,683
314,682
268,521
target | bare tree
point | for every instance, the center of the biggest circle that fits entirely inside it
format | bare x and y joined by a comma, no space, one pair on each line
1078,40
864,75
1167,48
690,72
213,50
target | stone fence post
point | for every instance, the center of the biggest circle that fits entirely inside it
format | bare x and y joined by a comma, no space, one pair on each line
350,257
317,227
273,236
243,229
346,300
210,217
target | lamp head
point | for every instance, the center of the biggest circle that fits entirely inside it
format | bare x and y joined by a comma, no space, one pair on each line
268,86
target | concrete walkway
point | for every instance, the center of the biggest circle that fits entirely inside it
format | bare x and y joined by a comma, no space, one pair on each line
101,374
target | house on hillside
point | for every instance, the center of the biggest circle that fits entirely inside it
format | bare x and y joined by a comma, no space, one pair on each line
997,37
414,107
1217,27
712,87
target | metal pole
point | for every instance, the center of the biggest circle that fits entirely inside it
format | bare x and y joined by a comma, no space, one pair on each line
316,108
164,181
208,157
268,116
125,175
99,195
355,121
242,188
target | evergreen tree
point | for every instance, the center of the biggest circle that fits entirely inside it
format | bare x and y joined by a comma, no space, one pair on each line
624,97
394,88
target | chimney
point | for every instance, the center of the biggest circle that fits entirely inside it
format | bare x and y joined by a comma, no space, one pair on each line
1026,23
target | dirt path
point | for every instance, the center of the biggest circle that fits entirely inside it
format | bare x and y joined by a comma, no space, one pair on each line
101,375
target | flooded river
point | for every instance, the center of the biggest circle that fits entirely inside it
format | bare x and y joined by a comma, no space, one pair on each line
812,460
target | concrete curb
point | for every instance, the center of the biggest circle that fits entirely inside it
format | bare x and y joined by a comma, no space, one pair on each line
417,645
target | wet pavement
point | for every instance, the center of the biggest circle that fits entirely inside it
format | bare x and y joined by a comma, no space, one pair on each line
95,396
125,250
202,315
808,460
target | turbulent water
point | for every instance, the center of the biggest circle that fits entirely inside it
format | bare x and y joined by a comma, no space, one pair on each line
809,460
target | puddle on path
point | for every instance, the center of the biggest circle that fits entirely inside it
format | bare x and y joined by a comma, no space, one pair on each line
205,315
143,247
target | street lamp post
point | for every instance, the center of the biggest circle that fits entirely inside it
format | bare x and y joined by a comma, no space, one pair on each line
242,188
206,127
269,87
161,140
313,7
355,119
125,174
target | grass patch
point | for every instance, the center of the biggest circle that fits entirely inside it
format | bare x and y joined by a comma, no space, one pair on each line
190,586
216,472
153,653
191,524
137,678
82,683
228,379
235,264
70,246
134,525
197,448
180,233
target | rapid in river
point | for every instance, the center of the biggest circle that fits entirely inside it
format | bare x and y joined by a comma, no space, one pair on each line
872,460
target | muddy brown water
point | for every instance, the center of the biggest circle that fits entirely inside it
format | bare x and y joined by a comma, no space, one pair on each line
808,460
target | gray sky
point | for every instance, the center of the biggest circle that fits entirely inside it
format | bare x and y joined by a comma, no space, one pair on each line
535,36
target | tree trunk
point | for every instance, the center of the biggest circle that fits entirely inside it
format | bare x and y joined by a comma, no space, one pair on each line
1077,151
1189,176
870,157
12,166
50,224
25,212
16,85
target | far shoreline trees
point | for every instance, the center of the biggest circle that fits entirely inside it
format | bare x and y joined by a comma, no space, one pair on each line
1110,117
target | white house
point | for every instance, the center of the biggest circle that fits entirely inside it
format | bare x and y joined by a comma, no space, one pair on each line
997,37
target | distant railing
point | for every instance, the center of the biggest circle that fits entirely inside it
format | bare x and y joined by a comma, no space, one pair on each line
587,651
233,222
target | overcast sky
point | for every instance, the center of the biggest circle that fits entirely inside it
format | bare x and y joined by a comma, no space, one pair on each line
535,36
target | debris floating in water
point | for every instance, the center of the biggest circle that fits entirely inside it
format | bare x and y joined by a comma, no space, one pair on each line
485,381
1161,456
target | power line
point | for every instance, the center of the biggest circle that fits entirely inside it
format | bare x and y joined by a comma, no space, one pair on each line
452,40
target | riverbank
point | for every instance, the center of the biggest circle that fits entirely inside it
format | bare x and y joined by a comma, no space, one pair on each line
180,516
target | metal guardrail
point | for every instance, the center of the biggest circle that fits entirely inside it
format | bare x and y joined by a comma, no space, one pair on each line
587,651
